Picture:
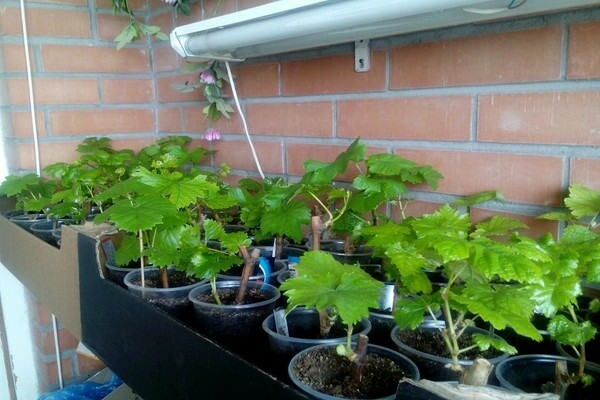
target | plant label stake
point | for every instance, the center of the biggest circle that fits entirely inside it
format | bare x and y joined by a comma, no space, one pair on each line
265,267
281,325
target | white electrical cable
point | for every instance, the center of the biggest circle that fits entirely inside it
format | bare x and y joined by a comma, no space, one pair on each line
36,146
38,167
239,108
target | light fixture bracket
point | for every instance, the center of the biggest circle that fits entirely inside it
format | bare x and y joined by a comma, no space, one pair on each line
362,55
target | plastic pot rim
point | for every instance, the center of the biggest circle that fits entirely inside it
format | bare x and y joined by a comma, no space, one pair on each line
206,288
154,271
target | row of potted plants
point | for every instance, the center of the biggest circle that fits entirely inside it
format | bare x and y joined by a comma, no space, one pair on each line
177,217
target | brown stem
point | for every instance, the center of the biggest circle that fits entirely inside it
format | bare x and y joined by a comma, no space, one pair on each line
325,322
316,226
164,278
349,245
478,373
278,247
360,357
249,262
561,378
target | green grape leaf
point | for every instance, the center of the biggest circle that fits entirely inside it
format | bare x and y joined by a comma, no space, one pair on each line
478,198
484,342
570,333
128,251
317,172
389,164
577,234
286,220
501,306
583,201
555,294
207,263
323,282
410,312
14,184
497,226
140,213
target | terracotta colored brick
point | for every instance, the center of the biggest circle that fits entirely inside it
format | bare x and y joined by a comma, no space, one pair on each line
224,7
127,91
584,51
54,91
551,118
164,59
298,153
416,118
522,56
81,59
164,20
415,208
237,155
44,341
50,152
22,127
70,2
168,94
516,176
109,26
14,58
170,119
49,371
10,20
291,119
333,74
94,122
537,227
87,365
46,22
586,171
253,3
133,4
196,15
257,80
195,122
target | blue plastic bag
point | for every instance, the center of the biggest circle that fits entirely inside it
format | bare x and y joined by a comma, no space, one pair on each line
87,390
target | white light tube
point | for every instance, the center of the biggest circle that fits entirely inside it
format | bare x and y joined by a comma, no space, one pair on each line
290,25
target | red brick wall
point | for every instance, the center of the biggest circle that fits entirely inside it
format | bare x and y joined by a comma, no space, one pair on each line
513,107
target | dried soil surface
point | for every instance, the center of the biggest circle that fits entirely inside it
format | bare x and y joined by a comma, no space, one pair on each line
229,296
431,342
327,372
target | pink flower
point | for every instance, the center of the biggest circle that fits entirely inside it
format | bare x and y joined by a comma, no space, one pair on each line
208,77
211,134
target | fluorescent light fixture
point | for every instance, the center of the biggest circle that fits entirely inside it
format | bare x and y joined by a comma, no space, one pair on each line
291,25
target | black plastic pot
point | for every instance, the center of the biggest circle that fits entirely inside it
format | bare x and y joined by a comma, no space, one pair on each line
238,322
235,273
26,220
434,367
527,373
173,300
117,273
303,329
403,361
361,255
45,229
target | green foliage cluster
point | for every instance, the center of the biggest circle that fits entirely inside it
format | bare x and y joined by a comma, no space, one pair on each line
344,291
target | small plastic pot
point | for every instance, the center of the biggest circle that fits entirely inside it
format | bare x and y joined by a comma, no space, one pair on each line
434,367
173,300
362,254
412,372
236,321
303,329
234,274
45,229
527,373
117,273
26,220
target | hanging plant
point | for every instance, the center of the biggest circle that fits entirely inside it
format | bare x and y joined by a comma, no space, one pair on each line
135,29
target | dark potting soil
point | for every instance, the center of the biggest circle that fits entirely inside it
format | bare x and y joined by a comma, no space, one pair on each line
432,342
176,279
229,297
327,372
177,306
